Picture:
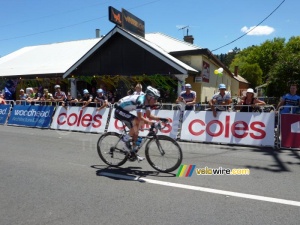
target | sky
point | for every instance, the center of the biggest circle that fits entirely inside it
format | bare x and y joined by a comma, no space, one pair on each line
218,25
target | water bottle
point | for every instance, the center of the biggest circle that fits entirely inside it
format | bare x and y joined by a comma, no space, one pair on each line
126,138
138,142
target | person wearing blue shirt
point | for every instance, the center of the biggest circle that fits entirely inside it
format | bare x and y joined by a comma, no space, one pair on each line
220,100
290,99
187,97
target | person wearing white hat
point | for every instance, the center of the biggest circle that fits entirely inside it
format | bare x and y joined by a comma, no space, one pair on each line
220,100
187,97
59,96
249,102
23,97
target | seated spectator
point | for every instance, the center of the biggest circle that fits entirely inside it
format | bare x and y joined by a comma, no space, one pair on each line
2,100
46,98
59,96
220,100
187,97
101,100
22,98
138,89
86,99
69,101
249,102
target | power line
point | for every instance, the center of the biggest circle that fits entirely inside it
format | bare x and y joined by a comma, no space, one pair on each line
250,29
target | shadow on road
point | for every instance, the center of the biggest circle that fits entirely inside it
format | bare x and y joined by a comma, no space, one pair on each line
279,165
128,171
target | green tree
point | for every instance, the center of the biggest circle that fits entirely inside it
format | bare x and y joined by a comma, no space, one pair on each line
257,63
252,73
286,69
227,59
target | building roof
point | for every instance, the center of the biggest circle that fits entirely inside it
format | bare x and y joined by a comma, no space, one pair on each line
153,46
62,58
169,44
241,79
53,58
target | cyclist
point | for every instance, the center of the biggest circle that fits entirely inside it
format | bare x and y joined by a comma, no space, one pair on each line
138,103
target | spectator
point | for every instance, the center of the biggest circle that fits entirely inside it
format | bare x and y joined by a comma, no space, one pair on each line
249,102
22,97
35,96
47,98
101,99
187,97
110,97
30,93
289,99
167,97
59,96
220,100
69,101
2,100
138,89
86,99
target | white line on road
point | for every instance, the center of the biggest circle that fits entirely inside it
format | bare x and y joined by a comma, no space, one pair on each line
203,189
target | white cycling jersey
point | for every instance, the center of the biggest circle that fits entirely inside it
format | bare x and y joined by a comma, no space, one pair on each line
133,102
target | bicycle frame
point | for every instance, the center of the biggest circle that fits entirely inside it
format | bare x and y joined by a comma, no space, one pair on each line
151,135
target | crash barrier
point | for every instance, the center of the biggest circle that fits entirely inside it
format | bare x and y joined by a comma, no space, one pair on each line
196,125
4,112
288,128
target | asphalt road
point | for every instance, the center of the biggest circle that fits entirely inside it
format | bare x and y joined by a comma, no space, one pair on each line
56,177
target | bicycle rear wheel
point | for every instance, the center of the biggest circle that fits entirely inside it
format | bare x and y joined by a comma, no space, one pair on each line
109,147
163,153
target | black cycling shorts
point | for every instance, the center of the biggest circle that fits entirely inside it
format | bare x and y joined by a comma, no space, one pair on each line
124,116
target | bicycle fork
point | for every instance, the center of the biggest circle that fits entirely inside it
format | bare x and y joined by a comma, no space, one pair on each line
162,152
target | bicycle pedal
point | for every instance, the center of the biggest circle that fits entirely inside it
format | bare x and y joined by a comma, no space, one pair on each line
132,158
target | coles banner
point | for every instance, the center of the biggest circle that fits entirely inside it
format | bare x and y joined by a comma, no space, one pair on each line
31,116
229,127
290,130
4,111
170,130
75,118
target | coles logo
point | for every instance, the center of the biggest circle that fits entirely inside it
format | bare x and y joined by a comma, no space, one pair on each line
239,129
85,120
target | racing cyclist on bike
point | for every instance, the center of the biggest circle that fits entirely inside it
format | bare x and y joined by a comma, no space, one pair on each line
134,123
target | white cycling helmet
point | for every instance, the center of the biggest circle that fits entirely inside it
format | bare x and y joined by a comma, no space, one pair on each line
85,91
56,86
99,90
152,92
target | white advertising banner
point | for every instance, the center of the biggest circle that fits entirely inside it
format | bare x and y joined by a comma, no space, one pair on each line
170,130
229,127
75,118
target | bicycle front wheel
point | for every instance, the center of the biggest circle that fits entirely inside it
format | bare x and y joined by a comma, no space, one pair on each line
109,147
163,153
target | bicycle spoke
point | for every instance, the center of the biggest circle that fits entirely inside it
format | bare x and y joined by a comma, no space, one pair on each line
164,154
110,149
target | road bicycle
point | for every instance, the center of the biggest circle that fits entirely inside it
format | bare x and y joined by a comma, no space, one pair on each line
162,152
